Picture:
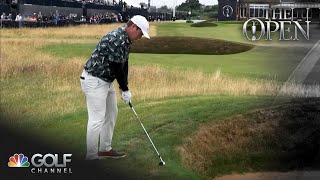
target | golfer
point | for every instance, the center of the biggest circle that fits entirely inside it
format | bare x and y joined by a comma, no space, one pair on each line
109,61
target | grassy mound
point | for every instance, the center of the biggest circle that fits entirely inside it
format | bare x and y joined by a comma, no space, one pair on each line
188,45
286,137
231,22
204,24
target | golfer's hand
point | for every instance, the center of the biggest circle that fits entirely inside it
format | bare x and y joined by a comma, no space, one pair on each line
126,96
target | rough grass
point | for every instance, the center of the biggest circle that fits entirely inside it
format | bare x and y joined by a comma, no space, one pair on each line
48,79
258,63
188,45
278,138
72,32
43,91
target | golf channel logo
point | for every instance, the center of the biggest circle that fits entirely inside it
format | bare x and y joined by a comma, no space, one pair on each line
277,20
42,164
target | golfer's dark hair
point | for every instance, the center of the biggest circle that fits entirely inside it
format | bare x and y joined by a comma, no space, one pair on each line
130,23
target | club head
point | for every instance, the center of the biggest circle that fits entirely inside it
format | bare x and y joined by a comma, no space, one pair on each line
162,163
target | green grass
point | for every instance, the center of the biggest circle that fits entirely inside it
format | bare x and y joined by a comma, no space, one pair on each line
168,120
257,63
260,62
231,32
68,51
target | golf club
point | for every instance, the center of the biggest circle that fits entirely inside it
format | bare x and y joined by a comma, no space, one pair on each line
161,163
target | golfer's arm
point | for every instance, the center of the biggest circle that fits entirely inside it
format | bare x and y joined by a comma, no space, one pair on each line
121,73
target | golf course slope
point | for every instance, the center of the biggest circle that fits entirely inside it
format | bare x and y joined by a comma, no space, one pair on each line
280,138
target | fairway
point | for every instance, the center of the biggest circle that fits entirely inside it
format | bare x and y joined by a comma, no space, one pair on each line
173,94
270,63
265,61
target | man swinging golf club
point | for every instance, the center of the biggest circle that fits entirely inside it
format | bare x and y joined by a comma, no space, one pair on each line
109,61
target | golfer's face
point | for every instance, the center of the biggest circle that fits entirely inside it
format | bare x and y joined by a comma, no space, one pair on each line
137,33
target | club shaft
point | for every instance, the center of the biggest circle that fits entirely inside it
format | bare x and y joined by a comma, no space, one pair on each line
146,132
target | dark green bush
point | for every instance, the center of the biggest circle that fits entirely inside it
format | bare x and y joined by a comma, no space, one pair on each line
188,45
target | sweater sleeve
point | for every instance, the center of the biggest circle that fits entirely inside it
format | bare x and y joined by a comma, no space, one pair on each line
121,73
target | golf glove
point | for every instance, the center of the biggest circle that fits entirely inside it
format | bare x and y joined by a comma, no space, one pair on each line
126,96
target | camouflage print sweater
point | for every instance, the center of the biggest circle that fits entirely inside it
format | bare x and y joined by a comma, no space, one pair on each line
109,60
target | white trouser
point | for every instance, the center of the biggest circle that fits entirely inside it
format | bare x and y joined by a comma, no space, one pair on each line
102,113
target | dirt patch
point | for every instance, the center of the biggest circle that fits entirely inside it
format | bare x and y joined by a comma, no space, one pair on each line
188,45
280,138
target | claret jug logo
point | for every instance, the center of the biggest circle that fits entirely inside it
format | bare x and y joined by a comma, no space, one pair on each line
18,160
277,20
227,11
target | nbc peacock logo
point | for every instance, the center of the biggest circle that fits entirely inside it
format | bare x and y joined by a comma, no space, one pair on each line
18,160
